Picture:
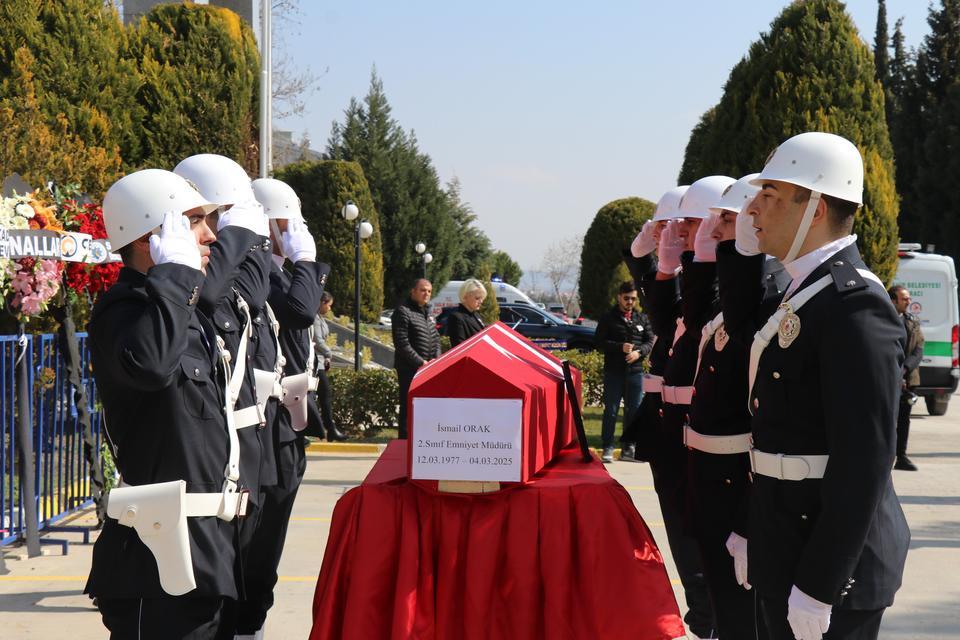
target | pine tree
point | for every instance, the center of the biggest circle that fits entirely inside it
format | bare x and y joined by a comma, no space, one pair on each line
413,206
810,72
324,187
502,265
881,45
200,85
601,265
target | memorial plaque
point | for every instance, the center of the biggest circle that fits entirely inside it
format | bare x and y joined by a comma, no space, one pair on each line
467,439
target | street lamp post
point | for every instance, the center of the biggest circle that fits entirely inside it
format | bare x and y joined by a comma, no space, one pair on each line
427,258
361,231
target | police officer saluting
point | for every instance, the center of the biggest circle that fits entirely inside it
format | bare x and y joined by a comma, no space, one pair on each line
164,564
828,539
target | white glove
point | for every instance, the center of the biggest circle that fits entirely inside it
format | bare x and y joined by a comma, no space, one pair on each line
297,242
644,243
808,618
248,215
175,242
737,547
747,243
670,249
704,244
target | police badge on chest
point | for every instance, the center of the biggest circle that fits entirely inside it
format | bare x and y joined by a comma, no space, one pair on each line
789,329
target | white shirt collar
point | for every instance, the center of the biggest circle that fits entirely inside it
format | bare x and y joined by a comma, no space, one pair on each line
806,264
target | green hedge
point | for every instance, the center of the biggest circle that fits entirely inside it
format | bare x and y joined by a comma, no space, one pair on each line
590,364
364,402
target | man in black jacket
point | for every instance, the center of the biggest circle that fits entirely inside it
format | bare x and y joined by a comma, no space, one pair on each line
162,382
415,340
828,540
624,336
911,373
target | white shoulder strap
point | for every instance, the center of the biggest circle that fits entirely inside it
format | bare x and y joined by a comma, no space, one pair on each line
281,360
709,330
231,472
240,366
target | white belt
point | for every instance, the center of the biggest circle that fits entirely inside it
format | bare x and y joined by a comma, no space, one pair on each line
720,445
677,395
787,467
652,383
252,415
224,505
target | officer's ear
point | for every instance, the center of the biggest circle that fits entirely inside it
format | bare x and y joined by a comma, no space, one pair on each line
820,213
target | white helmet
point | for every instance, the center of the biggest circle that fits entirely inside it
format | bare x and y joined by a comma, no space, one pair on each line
279,200
135,204
737,195
218,178
821,162
702,195
668,203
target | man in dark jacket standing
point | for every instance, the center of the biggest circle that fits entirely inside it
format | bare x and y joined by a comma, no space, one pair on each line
913,354
415,339
624,336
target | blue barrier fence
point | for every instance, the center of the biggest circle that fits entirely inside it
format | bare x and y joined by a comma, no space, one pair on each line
61,469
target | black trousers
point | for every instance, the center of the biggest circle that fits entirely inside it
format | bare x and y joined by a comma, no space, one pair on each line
173,618
716,494
260,568
903,425
404,378
845,624
669,476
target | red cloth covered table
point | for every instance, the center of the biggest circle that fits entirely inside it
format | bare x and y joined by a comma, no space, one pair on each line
565,556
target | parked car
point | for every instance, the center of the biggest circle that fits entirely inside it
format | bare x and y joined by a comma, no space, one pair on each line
541,327
386,319
932,282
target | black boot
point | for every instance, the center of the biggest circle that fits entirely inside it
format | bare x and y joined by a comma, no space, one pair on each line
335,435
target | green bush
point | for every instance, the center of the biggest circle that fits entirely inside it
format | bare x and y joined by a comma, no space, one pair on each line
364,402
590,364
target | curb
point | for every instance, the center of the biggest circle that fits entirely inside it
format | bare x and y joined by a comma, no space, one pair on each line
345,447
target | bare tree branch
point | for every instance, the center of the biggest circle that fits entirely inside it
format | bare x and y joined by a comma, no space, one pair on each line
561,264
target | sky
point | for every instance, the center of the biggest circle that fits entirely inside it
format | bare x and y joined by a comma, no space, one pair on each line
545,110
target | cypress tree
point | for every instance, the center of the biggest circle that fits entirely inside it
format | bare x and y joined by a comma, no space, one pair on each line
601,265
938,85
69,42
501,264
324,187
810,72
200,85
881,45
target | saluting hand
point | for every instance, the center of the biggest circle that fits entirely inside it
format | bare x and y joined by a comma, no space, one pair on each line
176,242
645,242
297,242
704,244
670,249
248,215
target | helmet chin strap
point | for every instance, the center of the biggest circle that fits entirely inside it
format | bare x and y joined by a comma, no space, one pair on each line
276,234
804,227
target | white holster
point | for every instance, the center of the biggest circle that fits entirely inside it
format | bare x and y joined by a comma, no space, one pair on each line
157,513
295,389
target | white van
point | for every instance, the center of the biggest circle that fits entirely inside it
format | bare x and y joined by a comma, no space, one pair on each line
449,296
932,282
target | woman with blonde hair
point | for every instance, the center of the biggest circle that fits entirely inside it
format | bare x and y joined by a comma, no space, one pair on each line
466,320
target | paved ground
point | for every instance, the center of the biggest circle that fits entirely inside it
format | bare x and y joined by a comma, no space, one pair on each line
41,598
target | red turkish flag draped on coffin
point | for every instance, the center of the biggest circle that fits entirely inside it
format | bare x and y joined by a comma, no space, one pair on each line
486,525
496,364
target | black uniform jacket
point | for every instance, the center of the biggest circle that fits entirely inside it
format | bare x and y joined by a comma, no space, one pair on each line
249,278
613,330
463,324
643,270
834,390
156,367
415,337
718,491
696,305
295,299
